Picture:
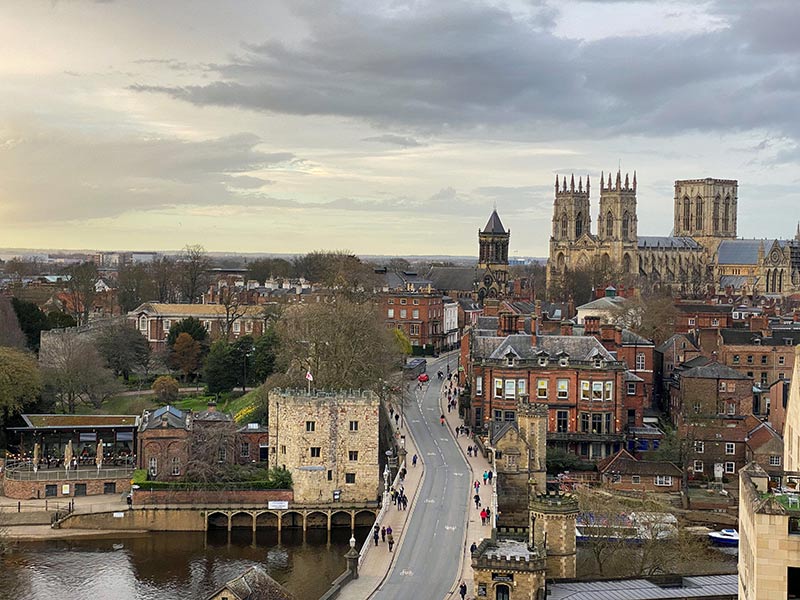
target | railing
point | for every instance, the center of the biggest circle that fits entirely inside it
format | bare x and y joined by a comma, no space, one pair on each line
384,508
61,474
47,506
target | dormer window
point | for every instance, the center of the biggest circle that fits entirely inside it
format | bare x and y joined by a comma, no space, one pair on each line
788,341
598,362
563,361
510,357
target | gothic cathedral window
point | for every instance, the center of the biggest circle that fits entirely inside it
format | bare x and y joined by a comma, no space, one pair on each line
716,214
564,226
625,225
578,225
698,219
726,212
609,225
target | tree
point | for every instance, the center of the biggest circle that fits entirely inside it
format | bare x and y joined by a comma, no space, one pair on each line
262,269
342,272
124,349
234,302
185,355
211,452
80,287
20,380
10,333
221,371
264,354
194,265
188,325
344,344
402,341
166,389
32,321
164,276
243,351
60,320
653,317
135,285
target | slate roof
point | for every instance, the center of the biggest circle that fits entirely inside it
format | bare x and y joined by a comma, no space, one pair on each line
453,278
714,370
703,308
255,584
704,586
761,435
657,241
494,225
211,415
625,464
677,338
745,337
468,304
604,303
577,348
175,417
743,252
195,310
629,337
78,421
630,376
733,281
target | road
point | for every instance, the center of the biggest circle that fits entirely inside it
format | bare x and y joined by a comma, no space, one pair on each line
429,558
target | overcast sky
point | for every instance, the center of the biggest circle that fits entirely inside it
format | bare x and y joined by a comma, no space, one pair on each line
382,126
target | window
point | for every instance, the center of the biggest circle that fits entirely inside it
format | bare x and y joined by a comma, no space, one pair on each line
511,388
636,479
731,386
597,423
562,421
763,359
353,425
511,460
414,329
663,480
608,423
699,447
391,300
283,449
730,467
597,390
390,313
730,448
640,361
222,455
722,386
609,390
521,387
509,416
691,322
176,465
736,359
316,451
244,451
311,426
403,301
584,422
781,360
541,388
749,359
479,385
696,407
207,325
586,388
349,477
152,466
403,313
415,314
248,326
498,388
330,474
415,301
110,487
237,327
563,389
143,323
166,324
631,388
697,466
731,408
774,461
353,455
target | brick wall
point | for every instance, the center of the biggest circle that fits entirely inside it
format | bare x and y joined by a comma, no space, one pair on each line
210,497
27,490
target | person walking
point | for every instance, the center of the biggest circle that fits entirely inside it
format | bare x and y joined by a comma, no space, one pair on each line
473,548
462,590
405,502
441,419
390,540
414,461
490,477
397,419
488,516
483,516
485,477
477,499
376,534
383,534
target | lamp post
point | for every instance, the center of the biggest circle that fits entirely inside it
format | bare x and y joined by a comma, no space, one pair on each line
246,356
352,558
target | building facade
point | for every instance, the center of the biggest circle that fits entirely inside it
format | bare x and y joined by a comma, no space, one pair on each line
420,314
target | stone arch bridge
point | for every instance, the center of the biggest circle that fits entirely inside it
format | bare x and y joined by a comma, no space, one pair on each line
326,517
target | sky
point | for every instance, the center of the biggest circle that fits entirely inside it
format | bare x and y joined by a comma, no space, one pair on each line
382,127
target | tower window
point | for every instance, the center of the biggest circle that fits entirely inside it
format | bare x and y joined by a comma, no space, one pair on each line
609,224
579,225
686,213
698,218
625,225
564,226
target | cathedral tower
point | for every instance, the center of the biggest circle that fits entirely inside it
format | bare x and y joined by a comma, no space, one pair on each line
571,217
617,225
705,209
493,258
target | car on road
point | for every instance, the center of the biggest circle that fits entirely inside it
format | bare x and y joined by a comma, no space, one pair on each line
423,378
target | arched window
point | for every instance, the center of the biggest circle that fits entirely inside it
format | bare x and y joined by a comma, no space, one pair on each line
502,592
716,214
579,225
698,215
686,213
726,215
626,263
626,221
609,224
564,226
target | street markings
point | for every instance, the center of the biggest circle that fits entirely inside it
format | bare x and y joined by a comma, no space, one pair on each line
430,501
458,474
450,527
406,572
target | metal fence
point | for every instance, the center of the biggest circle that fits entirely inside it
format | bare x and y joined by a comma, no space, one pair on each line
67,475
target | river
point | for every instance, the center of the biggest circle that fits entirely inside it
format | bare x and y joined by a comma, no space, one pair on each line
172,566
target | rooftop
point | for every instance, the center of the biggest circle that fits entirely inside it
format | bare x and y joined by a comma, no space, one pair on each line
78,421
705,586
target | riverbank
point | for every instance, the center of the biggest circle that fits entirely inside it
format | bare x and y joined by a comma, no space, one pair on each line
38,533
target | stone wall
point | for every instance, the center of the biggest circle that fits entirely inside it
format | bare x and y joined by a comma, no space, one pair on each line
141,519
210,497
27,490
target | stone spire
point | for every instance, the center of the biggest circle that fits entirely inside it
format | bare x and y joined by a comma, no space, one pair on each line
627,185
580,184
572,183
602,181
587,191
556,183
619,179
634,181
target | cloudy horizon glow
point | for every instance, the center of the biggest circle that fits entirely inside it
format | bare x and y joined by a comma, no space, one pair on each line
387,127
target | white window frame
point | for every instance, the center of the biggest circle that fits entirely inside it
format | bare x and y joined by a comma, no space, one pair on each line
510,388
691,322
597,391
663,480
152,466
609,391
237,327
562,389
541,388
176,466
586,390
248,326
142,323
699,447
730,448
353,425
403,313
641,361
498,387
730,467
698,466
415,313
167,324
390,313
521,386
636,479
775,460
479,385
631,388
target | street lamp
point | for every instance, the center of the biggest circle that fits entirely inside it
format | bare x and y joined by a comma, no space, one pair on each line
247,356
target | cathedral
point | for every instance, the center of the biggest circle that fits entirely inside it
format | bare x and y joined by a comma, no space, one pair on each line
702,251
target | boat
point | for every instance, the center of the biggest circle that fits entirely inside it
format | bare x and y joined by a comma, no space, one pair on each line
725,537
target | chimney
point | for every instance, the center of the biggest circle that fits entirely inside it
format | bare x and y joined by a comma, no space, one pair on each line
534,331
506,324
591,325
618,336
607,334
566,327
520,323
537,309
758,323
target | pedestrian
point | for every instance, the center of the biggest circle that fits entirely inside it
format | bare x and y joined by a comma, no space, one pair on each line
473,548
383,534
483,516
376,534
389,530
477,486
462,590
490,477
397,419
405,502
488,515
441,419
469,451
390,540
414,461
477,499
449,406
391,412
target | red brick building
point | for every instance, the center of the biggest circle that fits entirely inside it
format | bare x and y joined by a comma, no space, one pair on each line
764,445
420,314
694,316
625,473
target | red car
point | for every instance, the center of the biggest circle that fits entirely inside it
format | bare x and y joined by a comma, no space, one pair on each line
423,378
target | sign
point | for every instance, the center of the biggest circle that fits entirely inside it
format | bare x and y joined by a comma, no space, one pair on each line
278,504
504,577
119,515
65,489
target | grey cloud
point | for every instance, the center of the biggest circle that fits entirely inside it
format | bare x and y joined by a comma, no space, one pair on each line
396,140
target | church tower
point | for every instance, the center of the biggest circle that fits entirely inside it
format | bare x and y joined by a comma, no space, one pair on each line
493,258
571,217
617,225
705,209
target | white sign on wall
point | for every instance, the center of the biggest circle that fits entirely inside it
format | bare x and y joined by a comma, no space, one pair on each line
278,504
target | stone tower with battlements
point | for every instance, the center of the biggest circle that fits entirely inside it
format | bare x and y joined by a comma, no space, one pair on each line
552,526
705,209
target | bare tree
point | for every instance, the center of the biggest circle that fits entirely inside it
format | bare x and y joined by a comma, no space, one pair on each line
211,453
164,275
194,265
11,334
234,302
81,289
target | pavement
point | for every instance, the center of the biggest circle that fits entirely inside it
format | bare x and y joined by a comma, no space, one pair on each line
432,556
